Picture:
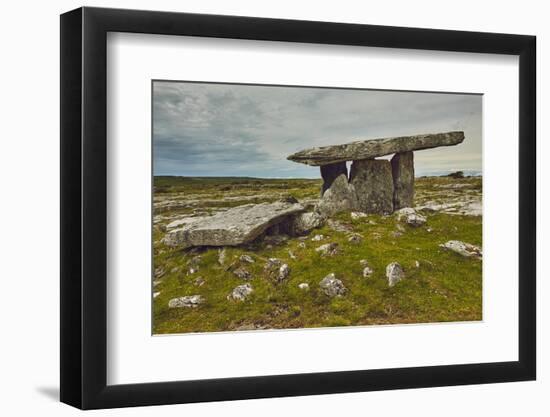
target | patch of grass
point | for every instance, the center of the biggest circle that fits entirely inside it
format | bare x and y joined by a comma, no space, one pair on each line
445,287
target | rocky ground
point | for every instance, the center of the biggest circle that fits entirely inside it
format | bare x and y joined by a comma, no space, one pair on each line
417,266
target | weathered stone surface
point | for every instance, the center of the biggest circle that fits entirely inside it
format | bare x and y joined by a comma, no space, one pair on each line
410,216
242,273
303,286
284,272
246,258
462,248
394,273
329,249
304,222
373,185
332,286
402,166
330,172
189,301
241,292
368,149
233,227
339,197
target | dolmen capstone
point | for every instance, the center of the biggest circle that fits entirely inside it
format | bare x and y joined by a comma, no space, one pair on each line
373,185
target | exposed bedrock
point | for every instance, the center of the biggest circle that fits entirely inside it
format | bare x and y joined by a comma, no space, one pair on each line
402,165
369,149
330,172
373,184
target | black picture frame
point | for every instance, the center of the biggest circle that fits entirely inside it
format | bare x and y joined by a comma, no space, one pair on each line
84,207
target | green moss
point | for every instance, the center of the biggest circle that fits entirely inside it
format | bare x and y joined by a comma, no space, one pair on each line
446,287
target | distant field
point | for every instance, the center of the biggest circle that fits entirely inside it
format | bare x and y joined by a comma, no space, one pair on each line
440,286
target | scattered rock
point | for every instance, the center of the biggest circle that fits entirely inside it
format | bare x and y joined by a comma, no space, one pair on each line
356,215
394,273
396,234
246,258
156,294
241,292
417,264
363,262
410,216
284,272
235,226
221,257
303,286
291,254
329,249
304,222
338,226
272,263
367,272
317,238
462,248
332,286
192,270
242,273
355,238
199,282
302,245
189,301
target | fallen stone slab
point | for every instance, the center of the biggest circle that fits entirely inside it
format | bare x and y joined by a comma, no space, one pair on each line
235,226
369,149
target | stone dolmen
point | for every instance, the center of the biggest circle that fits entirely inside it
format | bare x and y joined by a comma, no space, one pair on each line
374,185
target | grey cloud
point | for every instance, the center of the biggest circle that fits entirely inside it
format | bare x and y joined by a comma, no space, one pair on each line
224,129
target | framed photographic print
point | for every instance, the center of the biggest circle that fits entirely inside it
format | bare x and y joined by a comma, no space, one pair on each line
259,207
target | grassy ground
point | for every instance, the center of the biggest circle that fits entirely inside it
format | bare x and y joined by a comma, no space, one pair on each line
444,287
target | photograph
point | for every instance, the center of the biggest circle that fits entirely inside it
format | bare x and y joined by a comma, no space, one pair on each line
295,207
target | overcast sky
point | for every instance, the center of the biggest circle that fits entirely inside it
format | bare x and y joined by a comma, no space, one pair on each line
245,130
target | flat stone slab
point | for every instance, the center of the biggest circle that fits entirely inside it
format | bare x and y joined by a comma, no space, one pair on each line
235,226
368,149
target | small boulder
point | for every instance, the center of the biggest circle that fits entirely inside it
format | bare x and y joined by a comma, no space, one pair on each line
355,238
394,273
272,263
462,248
317,238
188,301
199,282
242,273
367,271
410,216
156,294
332,286
303,286
241,292
305,222
246,258
328,249
302,245
284,272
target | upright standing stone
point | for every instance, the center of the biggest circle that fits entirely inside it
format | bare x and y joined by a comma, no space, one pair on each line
373,183
402,165
340,196
330,172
